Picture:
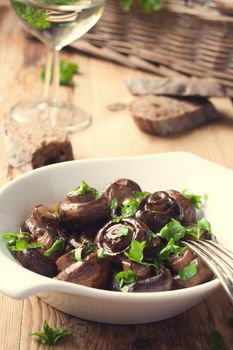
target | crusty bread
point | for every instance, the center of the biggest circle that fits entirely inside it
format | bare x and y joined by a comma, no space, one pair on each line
165,115
33,145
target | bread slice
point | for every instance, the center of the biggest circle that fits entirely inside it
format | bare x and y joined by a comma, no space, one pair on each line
165,115
32,145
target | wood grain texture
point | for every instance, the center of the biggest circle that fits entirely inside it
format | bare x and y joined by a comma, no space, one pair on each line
111,134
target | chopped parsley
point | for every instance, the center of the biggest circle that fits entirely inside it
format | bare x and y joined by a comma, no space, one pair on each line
76,254
101,253
124,278
56,246
197,200
67,71
82,189
145,5
170,249
113,204
18,241
202,225
217,342
173,229
51,335
123,231
188,271
130,206
136,251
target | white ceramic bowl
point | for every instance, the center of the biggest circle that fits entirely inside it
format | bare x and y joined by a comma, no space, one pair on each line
154,172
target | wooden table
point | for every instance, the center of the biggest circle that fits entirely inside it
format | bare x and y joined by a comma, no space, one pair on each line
111,134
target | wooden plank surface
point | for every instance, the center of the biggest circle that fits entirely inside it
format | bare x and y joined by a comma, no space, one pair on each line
111,134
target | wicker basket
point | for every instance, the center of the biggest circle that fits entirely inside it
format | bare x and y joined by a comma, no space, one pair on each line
186,39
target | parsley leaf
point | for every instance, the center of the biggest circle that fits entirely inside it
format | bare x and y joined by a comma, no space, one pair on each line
136,251
82,189
217,342
113,204
196,199
67,71
76,254
188,271
146,5
56,246
18,241
124,278
170,249
51,335
36,18
123,231
173,229
101,253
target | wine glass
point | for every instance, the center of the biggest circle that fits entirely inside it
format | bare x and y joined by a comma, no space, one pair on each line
56,23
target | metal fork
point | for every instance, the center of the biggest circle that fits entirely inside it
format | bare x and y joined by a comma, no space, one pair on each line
219,260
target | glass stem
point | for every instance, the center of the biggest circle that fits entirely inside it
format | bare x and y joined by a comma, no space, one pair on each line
56,76
48,73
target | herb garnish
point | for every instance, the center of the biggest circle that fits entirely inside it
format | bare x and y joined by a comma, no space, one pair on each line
124,278
173,229
146,5
113,204
170,249
76,254
123,231
101,253
18,241
82,189
136,251
51,335
130,206
217,342
67,71
56,246
202,225
196,199
188,271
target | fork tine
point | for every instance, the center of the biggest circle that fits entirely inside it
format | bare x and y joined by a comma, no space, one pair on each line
217,271
217,251
219,247
211,254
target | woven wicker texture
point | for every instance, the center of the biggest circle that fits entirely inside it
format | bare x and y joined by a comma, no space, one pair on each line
184,36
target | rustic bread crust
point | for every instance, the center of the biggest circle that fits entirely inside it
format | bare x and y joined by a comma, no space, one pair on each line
165,116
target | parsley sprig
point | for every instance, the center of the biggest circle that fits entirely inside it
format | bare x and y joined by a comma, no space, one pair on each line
36,18
198,200
51,335
145,5
188,271
76,254
58,245
124,278
19,242
82,189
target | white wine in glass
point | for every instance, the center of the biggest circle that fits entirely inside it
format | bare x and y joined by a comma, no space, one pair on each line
56,23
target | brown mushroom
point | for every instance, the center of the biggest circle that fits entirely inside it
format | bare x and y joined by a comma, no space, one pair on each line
121,190
159,283
80,211
187,209
92,272
34,260
141,271
157,209
179,261
204,274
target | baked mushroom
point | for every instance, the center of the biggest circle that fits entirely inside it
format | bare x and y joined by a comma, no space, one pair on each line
92,272
186,206
85,209
116,237
179,261
204,274
157,209
120,190
159,283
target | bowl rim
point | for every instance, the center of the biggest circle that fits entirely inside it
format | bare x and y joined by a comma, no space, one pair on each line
42,283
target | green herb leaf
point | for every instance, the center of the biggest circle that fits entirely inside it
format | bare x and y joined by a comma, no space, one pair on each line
197,200
21,245
217,342
101,253
170,249
50,335
123,231
82,189
56,246
76,254
125,277
136,251
67,71
36,18
202,225
188,271
173,229
150,5
113,204
18,241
